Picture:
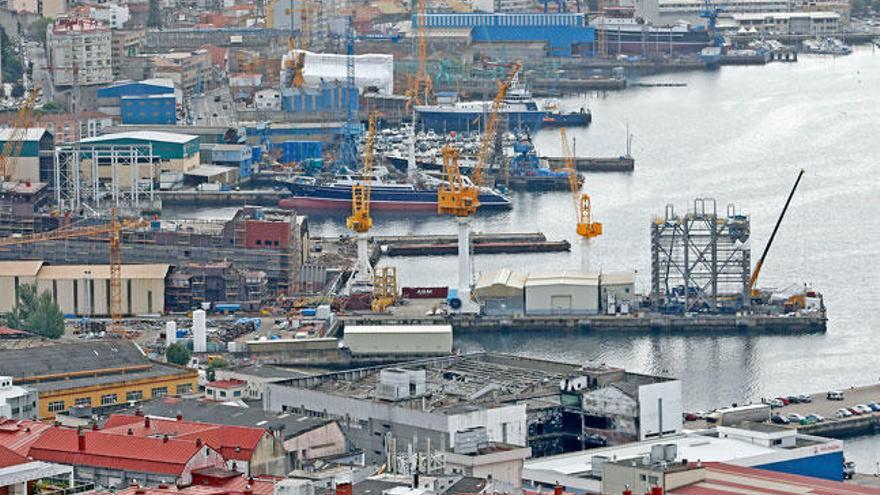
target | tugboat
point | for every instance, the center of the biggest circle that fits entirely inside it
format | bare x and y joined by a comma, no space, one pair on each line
556,118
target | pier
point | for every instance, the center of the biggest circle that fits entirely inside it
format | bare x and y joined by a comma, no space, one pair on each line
625,163
222,198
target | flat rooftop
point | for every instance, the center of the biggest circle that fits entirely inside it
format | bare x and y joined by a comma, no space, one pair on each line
463,383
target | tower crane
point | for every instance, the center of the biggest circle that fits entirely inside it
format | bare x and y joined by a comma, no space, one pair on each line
586,228
360,220
456,197
113,231
348,150
491,127
15,142
422,86
303,46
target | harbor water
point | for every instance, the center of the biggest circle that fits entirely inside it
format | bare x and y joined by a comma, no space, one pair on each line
739,135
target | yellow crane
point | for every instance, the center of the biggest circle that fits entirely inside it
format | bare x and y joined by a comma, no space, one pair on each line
586,227
421,86
18,134
360,220
491,128
300,63
600,31
460,199
113,231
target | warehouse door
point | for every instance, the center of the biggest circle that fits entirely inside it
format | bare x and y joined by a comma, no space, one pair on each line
560,304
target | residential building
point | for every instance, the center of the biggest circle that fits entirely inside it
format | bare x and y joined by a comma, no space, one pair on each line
45,8
190,71
16,402
110,14
225,390
16,438
249,450
84,290
125,46
63,126
93,374
749,445
114,460
307,440
79,51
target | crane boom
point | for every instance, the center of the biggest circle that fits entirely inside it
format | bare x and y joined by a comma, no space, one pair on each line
586,227
455,197
491,126
757,271
360,220
421,86
15,142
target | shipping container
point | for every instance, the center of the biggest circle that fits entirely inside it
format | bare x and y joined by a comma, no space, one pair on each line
425,292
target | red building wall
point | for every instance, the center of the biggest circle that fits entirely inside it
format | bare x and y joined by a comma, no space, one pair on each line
263,235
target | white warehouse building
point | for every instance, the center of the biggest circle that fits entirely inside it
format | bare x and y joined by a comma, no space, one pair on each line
562,293
413,340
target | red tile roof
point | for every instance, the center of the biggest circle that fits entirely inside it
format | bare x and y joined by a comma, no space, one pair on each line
233,442
108,450
207,486
228,383
725,479
18,435
10,458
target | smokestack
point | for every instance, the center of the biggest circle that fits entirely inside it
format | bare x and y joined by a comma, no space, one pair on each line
170,332
343,489
81,440
200,331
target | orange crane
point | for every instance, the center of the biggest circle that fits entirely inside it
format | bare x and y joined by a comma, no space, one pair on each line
421,86
114,232
600,30
586,227
491,127
360,221
300,63
15,142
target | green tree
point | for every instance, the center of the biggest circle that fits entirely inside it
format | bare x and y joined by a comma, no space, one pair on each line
52,107
11,61
178,354
216,364
36,313
41,26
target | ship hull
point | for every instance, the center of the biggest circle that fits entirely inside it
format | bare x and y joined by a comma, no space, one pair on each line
567,119
381,199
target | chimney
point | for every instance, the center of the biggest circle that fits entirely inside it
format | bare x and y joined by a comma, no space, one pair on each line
198,442
165,439
81,440
557,490
147,422
179,417
627,491
130,432
94,426
656,490
248,489
343,489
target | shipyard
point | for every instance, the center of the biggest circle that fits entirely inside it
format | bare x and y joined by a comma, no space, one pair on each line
439,247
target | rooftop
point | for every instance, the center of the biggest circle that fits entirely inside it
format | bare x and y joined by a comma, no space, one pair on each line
63,359
227,384
32,133
211,412
456,384
167,137
726,479
22,268
80,272
150,370
563,277
397,329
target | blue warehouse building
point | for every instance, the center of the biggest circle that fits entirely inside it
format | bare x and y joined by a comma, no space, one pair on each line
148,110
561,31
325,98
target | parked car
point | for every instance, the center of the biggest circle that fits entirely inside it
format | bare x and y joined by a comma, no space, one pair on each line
793,399
807,421
834,395
874,406
795,418
843,413
863,408
804,398
816,418
854,411
849,469
784,400
774,403
690,416
780,420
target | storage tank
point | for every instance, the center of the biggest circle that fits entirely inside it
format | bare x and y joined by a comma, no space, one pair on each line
170,332
200,331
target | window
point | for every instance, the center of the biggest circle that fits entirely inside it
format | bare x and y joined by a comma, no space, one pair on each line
83,401
186,388
159,392
56,406
134,395
108,399
237,393
223,393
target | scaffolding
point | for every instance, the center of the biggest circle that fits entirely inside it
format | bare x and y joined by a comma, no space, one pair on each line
700,261
100,176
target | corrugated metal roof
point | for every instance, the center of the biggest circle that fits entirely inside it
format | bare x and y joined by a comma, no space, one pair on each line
32,134
79,272
166,137
18,435
20,268
401,329
70,357
564,277
209,170
618,278
505,277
